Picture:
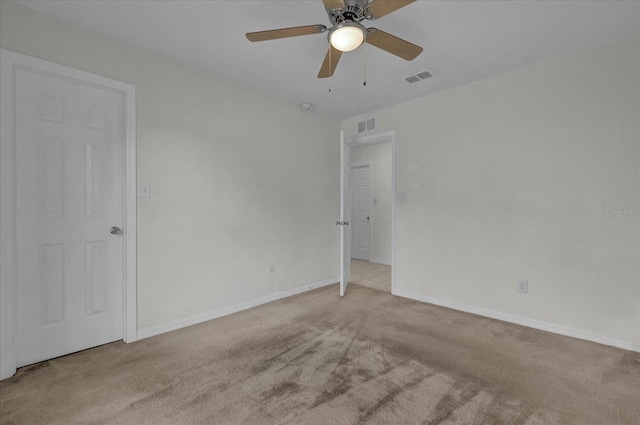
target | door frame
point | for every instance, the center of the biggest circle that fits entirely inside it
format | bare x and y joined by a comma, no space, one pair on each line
374,139
370,167
10,62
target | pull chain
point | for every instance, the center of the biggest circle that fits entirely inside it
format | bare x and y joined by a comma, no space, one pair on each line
364,66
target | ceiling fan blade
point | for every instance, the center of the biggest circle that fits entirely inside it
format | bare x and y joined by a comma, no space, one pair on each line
392,44
285,32
330,62
333,4
379,8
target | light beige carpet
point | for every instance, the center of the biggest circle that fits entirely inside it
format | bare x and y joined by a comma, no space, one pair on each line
368,358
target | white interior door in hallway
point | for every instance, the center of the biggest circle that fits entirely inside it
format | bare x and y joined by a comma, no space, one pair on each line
345,216
69,204
361,212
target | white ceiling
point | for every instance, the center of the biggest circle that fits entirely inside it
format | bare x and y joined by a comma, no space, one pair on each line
463,41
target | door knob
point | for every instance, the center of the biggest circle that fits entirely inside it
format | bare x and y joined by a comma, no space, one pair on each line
115,230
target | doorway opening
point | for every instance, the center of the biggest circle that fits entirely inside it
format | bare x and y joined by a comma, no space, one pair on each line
372,201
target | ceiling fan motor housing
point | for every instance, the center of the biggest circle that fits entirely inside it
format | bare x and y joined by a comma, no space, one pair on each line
354,10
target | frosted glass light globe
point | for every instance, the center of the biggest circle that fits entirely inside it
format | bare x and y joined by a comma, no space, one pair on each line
347,38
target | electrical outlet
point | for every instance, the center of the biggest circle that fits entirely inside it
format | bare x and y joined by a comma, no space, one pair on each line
523,285
272,268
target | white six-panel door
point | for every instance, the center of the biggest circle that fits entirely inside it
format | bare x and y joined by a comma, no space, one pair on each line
69,193
345,217
361,212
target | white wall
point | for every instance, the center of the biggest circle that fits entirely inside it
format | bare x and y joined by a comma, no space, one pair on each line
379,158
515,173
231,170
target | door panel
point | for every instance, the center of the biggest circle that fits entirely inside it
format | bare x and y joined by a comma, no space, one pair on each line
52,281
69,181
361,213
361,239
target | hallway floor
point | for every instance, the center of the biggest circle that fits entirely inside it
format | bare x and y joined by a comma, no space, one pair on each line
372,275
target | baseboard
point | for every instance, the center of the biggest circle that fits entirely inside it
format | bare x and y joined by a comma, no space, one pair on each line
375,260
531,323
203,317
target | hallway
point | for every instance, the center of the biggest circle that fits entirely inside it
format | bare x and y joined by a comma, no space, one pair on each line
372,275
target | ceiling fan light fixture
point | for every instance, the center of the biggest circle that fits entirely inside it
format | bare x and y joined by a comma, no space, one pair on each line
347,36
347,33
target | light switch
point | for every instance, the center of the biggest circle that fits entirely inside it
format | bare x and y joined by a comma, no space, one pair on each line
414,178
144,190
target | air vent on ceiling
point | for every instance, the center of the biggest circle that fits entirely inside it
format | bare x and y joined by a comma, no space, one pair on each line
419,76
367,125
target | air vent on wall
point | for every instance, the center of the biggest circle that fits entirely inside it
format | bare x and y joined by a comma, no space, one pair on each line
419,76
367,125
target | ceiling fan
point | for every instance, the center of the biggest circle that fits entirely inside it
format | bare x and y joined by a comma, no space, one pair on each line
346,33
